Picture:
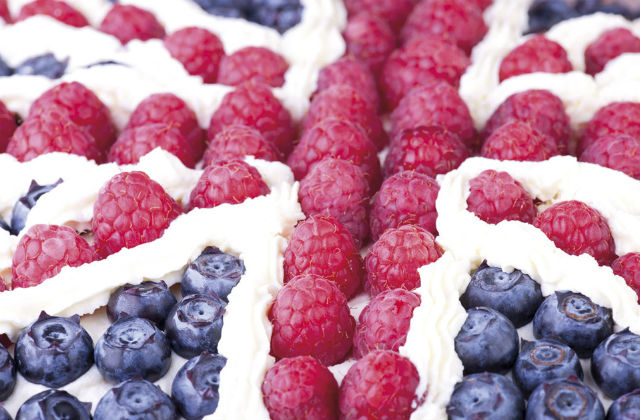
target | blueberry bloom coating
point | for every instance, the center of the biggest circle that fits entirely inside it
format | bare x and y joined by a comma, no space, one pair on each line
54,405
135,399
149,300
195,387
626,407
615,364
25,203
567,398
213,273
43,65
485,396
7,374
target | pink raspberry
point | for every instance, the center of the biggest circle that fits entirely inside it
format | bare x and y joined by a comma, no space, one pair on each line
58,10
518,141
127,22
259,63
199,51
370,40
300,387
311,317
496,196
608,46
615,118
238,141
321,245
394,12
536,54
384,322
7,126
349,71
628,267
4,12
616,151
578,229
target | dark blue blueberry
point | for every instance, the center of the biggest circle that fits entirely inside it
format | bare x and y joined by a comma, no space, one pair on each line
487,341
106,63
615,364
544,360
195,387
7,374
225,8
43,65
561,399
25,203
4,414
135,399
280,15
543,14
485,396
54,405
575,319
586,7
149,300
131,347
515,295
626,407
54,351
213,273
5,226
5,70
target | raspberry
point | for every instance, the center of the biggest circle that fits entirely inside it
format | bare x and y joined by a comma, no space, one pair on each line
381,385
536,54
384,322
393,261
628,267
252,104
496,196
615,118
127,22
608,46
578,229
436,103
83,108
394,12
349,71
616,151
58,10
44,250
429,150
339,189
541,109
481,4
4,12
370,40
7,126
311,317
136,142
238,141
418,62
321,245
456,21
518,141
406,198
259,63
345,103
199,51
131,209
300,388
227,182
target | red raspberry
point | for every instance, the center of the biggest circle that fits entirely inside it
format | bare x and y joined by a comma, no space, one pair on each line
429,150
238,141
541,109
384,322
628,267
615,118
227,182
300,388
321,245
482,4
7,126
58,10
394,12
381,385
496,196
311,317
4,12
127,22
436,103
406,198
345,103
138,141
339,189
199,51
259,63
518,141
44,250
537,54
608,46
4,288
131,209
83,108
369,39
349,71
578,229
393,261
252,104
616,151
419,62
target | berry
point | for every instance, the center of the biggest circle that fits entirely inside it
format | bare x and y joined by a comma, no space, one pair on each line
135,399
485,395
384,322
253,63
300,387
615,118
199,51
321,245
608,46
625,407
149,300
394,12
213,273
195,387
628,267
46,65
25,203
394,259
566,398
238,141
311,317
4,414
280,15
543,14
7,126
5,70
370,40
350,71
518,141
131,209
381,385
53,404
615,364
536,54
127,22
7,374
578,229
616,151
4,12
58,10
625,8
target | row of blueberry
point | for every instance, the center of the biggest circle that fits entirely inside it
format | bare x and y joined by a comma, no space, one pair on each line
543,14
41,65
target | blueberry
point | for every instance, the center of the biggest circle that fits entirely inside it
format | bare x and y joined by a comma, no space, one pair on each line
544,360
213,273
149,300
567,398
5,70
54,351
626,407
487,341
5,226
195,325
195,387
226,8
280,15
586,7
615,364
515,295
135,399
543,14
26,202
130,347
485,395
7,374
54,405
575,319
4,414
43,65
105,63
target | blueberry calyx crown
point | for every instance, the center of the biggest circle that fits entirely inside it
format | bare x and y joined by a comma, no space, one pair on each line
214,273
